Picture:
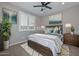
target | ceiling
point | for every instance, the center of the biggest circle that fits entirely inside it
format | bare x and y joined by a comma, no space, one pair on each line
56,7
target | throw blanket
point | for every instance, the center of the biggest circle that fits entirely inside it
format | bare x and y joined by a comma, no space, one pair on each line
51,41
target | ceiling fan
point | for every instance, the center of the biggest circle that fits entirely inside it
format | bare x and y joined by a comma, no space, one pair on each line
43,5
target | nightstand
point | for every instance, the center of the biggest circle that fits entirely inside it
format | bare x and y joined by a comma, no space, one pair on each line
1,44
71,39
78,40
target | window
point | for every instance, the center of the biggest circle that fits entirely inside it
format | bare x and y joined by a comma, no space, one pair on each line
31,22
26,21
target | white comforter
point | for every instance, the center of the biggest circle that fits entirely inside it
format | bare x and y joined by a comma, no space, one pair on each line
51,41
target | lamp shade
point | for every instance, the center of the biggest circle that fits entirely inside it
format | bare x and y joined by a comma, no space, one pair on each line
42,27
67,25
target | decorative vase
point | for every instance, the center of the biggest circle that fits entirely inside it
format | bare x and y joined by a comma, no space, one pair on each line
72,33
6,44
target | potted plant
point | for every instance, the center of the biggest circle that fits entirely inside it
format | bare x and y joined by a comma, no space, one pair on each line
72,29
5,32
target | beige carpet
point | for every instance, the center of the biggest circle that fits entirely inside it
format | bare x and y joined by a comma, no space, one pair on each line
32,52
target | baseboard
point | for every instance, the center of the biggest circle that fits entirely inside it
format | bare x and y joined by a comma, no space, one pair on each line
17,43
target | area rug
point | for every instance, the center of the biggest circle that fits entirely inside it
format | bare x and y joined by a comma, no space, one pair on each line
65,50
32,52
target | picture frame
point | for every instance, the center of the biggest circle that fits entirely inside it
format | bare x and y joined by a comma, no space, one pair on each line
55,19
9,14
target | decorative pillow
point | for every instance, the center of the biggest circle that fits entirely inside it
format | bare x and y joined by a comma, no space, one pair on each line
49,30
55,30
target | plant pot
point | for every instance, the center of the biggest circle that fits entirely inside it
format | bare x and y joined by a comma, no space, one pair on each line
72,33
6,44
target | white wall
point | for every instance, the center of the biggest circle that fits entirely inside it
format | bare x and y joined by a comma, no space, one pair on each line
70,15
16,35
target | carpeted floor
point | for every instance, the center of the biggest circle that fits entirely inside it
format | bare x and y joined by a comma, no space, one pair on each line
17,50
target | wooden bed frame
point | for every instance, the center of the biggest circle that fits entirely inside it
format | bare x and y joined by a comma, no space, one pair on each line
40,48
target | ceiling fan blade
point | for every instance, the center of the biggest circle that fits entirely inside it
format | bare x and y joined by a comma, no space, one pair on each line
48,7
43,3
38,6
47,3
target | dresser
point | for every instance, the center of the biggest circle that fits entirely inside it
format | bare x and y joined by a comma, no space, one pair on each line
71,39
1,44
78,40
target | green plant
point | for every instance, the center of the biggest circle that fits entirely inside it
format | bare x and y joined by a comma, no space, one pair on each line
5,29
72,29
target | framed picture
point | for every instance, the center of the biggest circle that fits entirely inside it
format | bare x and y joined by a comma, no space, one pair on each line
9,15
55,19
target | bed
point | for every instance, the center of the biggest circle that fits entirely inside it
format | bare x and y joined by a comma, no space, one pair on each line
46,44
